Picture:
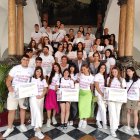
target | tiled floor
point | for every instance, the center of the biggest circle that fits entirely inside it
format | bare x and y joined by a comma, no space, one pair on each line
72,133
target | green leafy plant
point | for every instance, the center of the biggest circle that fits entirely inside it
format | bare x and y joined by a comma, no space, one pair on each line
4,69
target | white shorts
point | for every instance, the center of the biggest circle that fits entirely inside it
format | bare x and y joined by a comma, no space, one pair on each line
12,103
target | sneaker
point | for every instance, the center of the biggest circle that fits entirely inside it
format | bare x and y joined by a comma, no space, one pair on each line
136,131
80,123
8,132
104,126
23,128
84,124
99,124
127,129
61,126
54,120
70,123
113,133
48,123
39,135
65,126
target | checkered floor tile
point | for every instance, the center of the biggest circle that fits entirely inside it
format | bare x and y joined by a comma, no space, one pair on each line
72,133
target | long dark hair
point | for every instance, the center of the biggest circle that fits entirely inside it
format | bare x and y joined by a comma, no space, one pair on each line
104,74
119,76
135,77
53,72
30,44
111,54
75,68
38,68
65,71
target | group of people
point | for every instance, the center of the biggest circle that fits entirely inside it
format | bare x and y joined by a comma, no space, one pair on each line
59,60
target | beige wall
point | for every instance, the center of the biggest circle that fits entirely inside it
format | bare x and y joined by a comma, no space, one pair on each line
112,22
30,18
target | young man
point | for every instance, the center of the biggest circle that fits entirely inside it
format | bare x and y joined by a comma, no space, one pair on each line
17,75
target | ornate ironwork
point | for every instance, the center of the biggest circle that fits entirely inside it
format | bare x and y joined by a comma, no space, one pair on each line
122,2
22,2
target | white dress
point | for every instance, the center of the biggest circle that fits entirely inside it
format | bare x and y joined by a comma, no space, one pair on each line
37,105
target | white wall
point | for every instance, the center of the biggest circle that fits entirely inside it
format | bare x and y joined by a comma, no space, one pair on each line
30,18
112,22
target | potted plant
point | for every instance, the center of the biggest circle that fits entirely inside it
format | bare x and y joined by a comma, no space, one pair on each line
4,69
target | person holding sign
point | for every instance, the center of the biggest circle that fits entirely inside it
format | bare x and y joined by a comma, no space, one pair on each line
115,81
65,82
37,102
133,96
18,74
100,82
86,81
51,98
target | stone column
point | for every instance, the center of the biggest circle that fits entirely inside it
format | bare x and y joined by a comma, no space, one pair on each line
122,21
129,34
11,27
20,27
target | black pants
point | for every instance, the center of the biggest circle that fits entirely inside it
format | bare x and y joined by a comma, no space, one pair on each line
73,110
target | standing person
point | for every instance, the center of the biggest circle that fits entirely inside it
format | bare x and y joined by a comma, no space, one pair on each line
74,105
71,34
100,83
37,102
44,26
115,81
18,74
47,61
59,54
95,64
64,63
51,99
65,82
133,96
79,62
86,81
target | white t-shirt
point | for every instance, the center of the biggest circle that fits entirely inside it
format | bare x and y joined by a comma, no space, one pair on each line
116,83
40,84
58,55
100,79
57,37
72,55
55,81
20,74
66,83
134,91
32,62
49,35
77,40
62,31
36,36
47,62
88,45
85,81
50,49
73,77
109,47
110,62
42,30
100,48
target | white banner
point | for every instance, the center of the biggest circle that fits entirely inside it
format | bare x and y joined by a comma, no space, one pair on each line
25,90
115,94
66,94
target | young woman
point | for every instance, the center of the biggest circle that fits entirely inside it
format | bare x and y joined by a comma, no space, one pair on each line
100,83
133,95
59,54
113,41
115,81
108,46
33,46
80,47
51,99
65,82
86,81
74,105
65,47
95,64
110,60
70,53
37,102
46,42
